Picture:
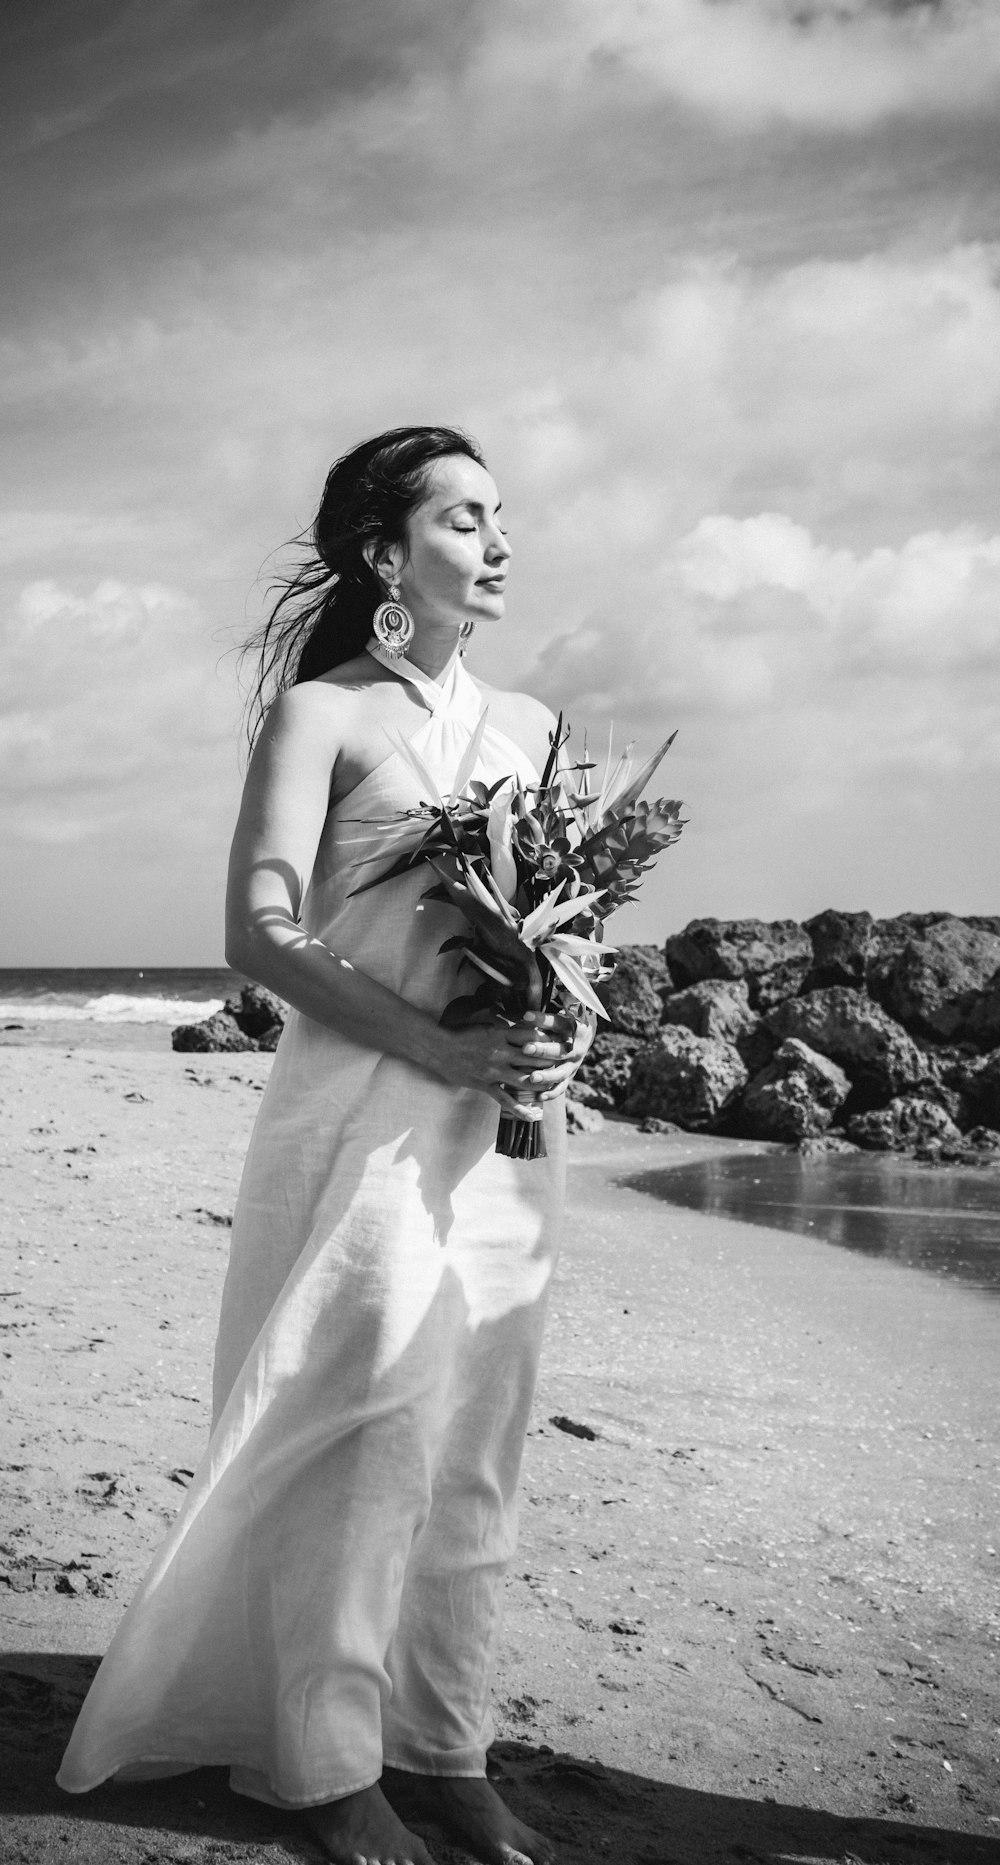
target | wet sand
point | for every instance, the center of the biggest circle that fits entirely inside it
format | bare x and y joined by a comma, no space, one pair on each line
754,1617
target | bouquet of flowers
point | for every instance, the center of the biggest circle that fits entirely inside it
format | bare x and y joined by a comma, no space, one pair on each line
534,870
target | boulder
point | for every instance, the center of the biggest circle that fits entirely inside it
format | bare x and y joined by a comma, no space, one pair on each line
982,1024
631,995
822,1145
986,922
979,1084
257,1011
220,1032
602,1080
891,935
773,956
910,1120
715,1007
842,946
652,1125
930,976
979,1147
582,1119
874,1051
795,1097
694,1080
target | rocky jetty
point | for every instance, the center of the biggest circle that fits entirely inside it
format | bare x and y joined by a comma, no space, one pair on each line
841,1033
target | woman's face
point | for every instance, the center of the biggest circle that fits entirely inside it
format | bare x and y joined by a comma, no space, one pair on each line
456,554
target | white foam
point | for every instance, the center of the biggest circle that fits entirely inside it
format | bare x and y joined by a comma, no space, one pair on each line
113,1007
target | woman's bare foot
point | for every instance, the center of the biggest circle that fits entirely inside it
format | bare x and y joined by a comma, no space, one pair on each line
362,1829
473,1811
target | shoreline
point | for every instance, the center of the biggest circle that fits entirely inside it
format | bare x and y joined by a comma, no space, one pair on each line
783,1515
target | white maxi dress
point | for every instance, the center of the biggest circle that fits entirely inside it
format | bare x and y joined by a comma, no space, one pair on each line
327,1600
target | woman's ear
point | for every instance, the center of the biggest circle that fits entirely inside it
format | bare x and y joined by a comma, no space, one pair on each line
385,560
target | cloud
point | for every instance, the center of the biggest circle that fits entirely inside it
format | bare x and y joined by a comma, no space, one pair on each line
705,276
113,718
828,64
770,631
928,606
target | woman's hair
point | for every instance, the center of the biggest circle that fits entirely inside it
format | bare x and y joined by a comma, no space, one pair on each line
322,615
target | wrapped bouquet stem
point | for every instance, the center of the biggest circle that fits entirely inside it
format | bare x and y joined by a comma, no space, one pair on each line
535,870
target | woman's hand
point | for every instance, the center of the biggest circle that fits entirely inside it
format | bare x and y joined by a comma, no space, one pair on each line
518,1065
563,1040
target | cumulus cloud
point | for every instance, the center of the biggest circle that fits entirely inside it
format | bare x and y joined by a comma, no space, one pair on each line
930,605
113,716
832,64
707,277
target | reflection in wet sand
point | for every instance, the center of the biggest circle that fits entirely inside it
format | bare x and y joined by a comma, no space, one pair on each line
944,1220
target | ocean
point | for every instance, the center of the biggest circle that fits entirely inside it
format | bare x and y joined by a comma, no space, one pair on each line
119,994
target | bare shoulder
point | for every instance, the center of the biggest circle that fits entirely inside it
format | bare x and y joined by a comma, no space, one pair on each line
325,706
521,717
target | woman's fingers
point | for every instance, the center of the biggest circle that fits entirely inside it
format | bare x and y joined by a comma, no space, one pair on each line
510,1103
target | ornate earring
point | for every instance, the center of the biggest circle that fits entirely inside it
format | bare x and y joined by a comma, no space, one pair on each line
466,632
392,626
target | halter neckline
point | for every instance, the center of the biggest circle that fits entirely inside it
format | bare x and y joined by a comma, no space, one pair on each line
434,693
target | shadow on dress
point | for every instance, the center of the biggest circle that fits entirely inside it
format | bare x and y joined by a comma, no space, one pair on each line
594,1813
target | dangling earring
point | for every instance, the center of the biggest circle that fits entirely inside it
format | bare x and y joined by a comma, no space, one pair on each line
392,626
465,633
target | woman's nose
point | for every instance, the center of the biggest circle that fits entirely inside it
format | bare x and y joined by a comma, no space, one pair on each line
498,548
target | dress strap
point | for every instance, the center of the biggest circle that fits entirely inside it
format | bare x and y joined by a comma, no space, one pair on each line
437,694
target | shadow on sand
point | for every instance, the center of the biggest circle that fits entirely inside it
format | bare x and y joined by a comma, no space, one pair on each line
595,1813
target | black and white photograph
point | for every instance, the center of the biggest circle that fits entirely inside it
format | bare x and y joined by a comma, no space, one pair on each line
500,943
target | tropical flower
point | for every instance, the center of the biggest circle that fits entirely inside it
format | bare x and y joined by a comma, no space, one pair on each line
534,872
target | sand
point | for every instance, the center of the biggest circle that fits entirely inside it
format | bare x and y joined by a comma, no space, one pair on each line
753,1617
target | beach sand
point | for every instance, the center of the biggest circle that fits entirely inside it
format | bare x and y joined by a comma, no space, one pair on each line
755,1617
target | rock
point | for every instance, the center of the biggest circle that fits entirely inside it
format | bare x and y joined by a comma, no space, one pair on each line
842,945
631,995
721,1007
693,1080
603,1077
979,1084
910,1120
220,1032
257,1011
773,956
652,1125
582,1119
875,1052
715,1007
795,1097
982,1024
253,1019
820,1145
891,935
929,977
979,1147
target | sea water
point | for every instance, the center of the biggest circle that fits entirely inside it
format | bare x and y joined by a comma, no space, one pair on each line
943,1219
152,994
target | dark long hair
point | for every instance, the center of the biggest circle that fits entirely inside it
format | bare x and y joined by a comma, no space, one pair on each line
322,614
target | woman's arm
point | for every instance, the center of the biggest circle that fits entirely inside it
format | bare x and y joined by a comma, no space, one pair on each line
281,818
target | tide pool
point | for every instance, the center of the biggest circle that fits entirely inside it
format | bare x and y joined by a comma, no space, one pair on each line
943,1220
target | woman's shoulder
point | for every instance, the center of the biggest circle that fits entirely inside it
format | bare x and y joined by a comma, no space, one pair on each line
331,694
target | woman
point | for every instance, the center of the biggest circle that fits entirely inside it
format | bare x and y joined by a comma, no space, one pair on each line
323,1615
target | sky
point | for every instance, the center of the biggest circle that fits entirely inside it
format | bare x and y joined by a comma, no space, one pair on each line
715,283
